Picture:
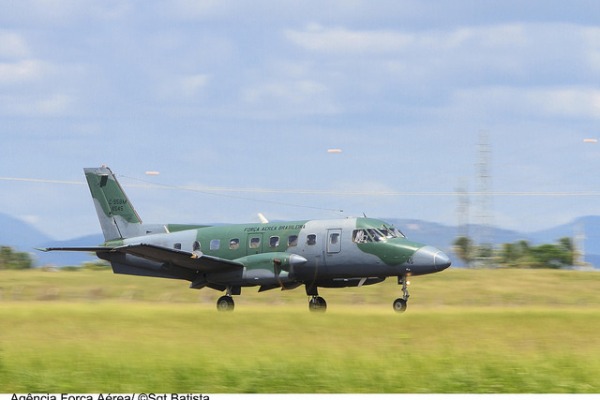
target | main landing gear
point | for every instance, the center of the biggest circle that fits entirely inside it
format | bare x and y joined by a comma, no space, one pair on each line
401,303
317,303
225,303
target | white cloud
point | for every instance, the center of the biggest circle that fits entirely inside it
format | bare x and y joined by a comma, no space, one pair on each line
591,42
290,97
192,9
342,40
542,102
577,102
190,85
356,42
183,86
36,106
21,72
13,46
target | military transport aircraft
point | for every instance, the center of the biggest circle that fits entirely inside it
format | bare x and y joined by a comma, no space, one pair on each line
314,253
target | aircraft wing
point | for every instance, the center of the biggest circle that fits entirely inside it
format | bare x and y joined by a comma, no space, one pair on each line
162,254
180,258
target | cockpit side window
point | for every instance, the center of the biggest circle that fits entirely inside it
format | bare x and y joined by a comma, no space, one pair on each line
361,236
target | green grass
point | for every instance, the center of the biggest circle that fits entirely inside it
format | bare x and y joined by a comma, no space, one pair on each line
494,331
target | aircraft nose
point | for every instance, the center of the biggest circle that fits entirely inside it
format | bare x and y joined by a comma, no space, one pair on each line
429,256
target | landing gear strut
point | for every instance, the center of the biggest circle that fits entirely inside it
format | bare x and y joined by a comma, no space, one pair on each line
401,303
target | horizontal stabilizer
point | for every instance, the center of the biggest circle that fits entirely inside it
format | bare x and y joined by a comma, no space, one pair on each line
185,259
93,249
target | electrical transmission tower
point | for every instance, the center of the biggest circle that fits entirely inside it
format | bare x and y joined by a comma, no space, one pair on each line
462,209
484,213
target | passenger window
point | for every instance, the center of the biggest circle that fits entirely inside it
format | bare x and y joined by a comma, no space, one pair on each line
293,241
311,239
254,243
196,246
274,241
215,244
334,238
234,244
177,246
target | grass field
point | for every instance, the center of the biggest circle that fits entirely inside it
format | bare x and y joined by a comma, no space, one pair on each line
466,331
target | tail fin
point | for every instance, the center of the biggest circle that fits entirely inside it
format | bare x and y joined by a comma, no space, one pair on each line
118,218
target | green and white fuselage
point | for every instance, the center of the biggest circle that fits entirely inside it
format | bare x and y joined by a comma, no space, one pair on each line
315,253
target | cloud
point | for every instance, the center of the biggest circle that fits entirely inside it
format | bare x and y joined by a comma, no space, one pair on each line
192,9
342,40
183,87
292,97
23,71
36,106
359,42
13,46
537,102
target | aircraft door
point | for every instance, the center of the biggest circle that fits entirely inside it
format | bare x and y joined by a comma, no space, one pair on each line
334,241
255,244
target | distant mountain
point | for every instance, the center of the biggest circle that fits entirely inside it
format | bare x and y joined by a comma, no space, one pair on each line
19,234
24,237
64,258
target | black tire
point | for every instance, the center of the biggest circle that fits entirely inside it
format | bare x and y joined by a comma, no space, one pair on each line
317,304
225,303
400,305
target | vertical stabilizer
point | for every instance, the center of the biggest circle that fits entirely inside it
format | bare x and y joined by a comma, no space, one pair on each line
118,218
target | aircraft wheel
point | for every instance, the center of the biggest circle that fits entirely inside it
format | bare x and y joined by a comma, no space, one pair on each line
317,303
400,305
225,303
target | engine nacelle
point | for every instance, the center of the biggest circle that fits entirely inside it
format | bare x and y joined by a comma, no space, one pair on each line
274,262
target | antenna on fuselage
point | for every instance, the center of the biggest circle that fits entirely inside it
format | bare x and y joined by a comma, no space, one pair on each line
263,219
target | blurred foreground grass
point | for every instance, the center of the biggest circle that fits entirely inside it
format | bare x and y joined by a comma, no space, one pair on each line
493,331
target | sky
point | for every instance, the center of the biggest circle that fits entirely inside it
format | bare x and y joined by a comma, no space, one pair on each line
236,105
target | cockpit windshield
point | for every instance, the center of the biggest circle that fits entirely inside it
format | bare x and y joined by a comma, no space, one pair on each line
370,235
391,231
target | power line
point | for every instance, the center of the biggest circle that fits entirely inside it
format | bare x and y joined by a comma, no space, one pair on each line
206,189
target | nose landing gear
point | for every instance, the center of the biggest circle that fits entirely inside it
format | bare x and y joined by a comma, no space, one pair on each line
401,304
316,302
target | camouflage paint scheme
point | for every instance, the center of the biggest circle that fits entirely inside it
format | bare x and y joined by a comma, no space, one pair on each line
314,253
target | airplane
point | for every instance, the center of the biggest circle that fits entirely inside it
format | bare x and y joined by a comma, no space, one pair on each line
330,253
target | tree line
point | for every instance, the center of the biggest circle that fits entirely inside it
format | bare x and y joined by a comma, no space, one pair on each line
520,254
12,259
